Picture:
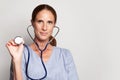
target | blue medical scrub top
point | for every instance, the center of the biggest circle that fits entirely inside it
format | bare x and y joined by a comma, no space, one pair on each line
60,65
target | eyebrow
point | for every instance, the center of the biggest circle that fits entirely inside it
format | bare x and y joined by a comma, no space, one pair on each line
39,20
50,21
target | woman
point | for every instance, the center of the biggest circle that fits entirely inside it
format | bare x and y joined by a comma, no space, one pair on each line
58,61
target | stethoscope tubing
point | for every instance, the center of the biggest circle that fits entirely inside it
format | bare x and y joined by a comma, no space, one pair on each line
27,63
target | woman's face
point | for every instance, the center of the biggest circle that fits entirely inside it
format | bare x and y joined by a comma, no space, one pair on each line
43,25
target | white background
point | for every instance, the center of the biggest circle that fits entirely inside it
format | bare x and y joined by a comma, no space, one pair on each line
90,29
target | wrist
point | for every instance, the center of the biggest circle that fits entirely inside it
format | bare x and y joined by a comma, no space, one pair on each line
16,61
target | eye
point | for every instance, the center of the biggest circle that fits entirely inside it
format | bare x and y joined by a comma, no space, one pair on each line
50,22
39,21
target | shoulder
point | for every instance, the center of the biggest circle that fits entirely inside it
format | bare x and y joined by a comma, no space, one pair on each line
27,52
26,48
63,52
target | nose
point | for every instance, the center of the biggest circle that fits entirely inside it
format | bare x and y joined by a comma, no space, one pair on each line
44,27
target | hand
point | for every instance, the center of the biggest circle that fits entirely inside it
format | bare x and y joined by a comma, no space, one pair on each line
15,50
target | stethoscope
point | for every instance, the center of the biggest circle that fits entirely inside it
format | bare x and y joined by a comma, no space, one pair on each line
19,40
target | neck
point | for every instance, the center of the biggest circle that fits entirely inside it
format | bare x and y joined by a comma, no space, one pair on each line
41,43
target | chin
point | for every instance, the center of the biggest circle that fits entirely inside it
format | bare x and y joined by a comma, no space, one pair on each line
43,38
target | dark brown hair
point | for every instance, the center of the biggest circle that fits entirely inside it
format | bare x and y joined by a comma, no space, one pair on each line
42,7
45,7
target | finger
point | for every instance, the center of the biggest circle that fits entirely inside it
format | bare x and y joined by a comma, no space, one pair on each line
11,43
8,43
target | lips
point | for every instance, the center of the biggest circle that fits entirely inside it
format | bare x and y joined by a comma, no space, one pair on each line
43,33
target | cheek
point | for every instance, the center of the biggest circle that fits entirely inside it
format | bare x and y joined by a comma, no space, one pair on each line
36,30
51,30
36,26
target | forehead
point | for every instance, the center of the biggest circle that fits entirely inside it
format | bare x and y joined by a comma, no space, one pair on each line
45,14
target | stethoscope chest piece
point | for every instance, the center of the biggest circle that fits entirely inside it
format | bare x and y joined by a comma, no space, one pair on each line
18,40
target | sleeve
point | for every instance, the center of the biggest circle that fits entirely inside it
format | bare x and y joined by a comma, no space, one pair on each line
70,66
